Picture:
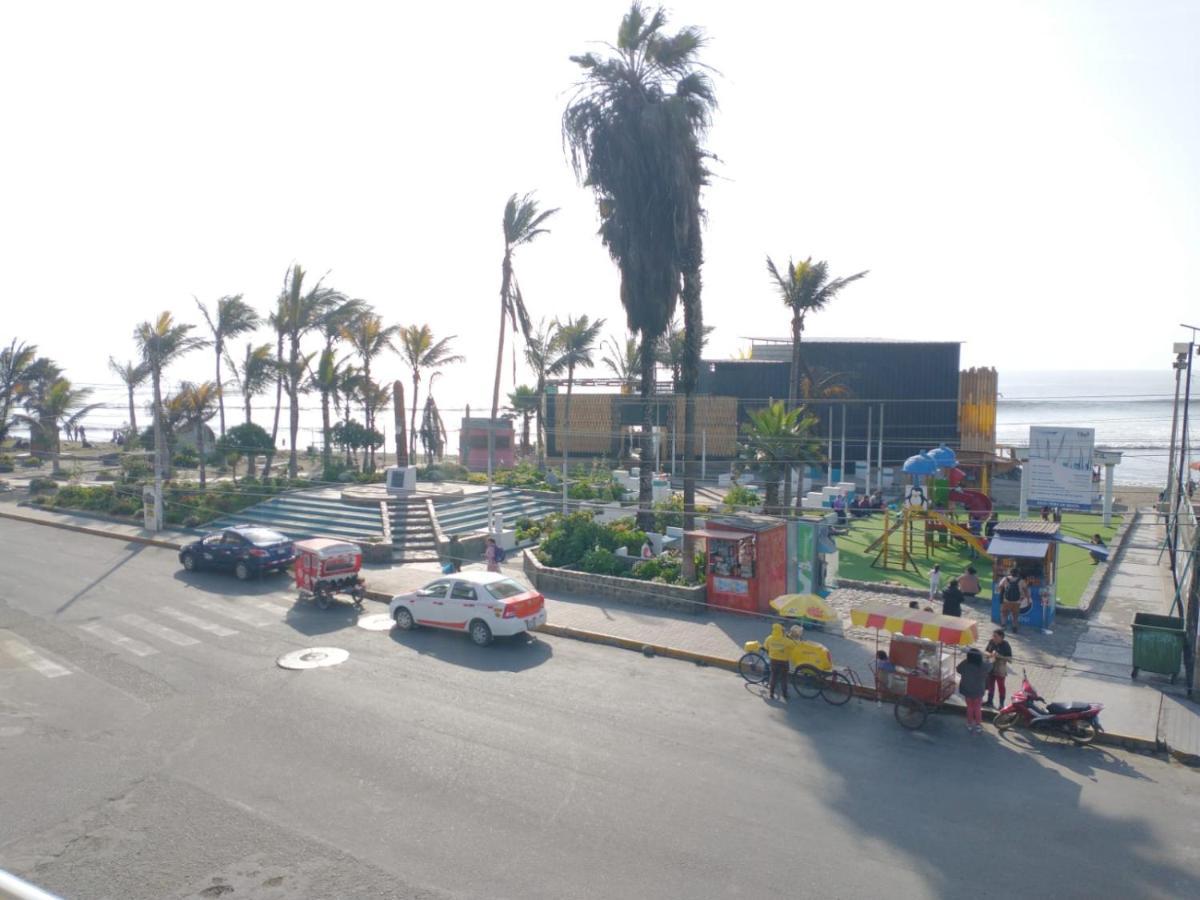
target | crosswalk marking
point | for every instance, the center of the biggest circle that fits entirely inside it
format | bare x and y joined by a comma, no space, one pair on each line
137,648
245,616
25,654
274,608
162,631
196,622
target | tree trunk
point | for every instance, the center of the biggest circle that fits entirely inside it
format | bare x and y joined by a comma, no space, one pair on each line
565,428
505,284
279,377
368,414
645,514
220,389
412,420
772,496
248,419
793,399
200,453
693,340
294,402
55,450
525,431
541,447
132,414
326,446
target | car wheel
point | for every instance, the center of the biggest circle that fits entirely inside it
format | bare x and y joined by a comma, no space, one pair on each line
404,619
242,571
189,562
480,633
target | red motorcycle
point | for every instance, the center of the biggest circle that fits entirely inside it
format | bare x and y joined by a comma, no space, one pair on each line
1079,721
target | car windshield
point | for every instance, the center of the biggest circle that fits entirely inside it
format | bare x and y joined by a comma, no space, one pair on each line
502,590
262,537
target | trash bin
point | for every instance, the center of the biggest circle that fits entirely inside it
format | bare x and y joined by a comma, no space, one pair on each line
1157,644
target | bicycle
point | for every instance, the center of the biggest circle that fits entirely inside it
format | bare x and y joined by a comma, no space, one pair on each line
836,686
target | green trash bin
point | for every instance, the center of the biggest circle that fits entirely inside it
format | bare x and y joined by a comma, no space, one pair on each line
1157,644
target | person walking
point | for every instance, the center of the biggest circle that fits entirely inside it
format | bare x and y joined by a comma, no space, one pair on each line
935,581
779,650
999,654
454,554
972,676
952,598
1010,600
492,555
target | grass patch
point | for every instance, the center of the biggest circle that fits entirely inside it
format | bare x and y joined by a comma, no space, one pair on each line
1074,563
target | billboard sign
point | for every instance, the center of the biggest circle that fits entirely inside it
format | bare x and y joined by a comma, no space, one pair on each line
1059,470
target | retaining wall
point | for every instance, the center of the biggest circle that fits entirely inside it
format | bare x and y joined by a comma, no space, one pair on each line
672,597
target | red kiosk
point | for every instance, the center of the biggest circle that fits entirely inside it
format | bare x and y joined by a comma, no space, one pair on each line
746,561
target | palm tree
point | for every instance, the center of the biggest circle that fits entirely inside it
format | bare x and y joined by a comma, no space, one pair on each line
277,320
524,402
253,374
420,351
672,350
233,316
523,221
199,402
332,326
633,130
60,405
161,343
776,438
133,375
369,337
541,354
433,430
15,360
623,361
576,340
298,313
326,379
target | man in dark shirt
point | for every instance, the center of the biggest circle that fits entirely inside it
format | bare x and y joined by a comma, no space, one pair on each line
999,654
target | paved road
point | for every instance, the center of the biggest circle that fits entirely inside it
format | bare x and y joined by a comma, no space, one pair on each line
150,753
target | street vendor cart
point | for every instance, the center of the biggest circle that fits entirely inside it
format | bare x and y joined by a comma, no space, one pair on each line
919,674
325,568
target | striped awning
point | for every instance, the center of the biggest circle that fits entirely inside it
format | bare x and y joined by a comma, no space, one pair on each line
914,623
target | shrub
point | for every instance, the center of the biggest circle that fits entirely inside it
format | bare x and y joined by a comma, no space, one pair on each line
6,464
186,458
601,562
668,513
134,467
740,498
42,485
30,462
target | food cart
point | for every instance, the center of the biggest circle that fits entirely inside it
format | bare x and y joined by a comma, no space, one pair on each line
921,672
747,561
325,567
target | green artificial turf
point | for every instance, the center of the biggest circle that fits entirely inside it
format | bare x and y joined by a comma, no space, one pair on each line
1075,566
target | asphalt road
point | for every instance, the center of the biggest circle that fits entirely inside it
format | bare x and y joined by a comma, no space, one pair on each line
137,762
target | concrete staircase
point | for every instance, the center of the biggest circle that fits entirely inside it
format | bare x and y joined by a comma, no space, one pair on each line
304,514
469,513
414,538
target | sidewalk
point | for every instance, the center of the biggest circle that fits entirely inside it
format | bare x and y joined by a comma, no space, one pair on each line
1100,665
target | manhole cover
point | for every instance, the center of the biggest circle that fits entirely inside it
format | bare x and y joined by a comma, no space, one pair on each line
312,658
375,622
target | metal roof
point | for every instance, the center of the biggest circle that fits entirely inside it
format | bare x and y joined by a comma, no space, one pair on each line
1031,527
844,340
1003,546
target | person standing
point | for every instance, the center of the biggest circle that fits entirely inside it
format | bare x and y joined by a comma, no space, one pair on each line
779,650
491,555
1010,600
935,581
972,676
952,598
1097,555
989,530
968,583
454,554
999,654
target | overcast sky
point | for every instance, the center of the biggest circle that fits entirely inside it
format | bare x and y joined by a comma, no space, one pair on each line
1016,176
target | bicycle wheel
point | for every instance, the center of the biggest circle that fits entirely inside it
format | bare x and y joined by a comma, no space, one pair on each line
836,689
910,713
807,681
753,667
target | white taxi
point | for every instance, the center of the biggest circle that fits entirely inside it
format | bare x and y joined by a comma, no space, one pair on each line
483,604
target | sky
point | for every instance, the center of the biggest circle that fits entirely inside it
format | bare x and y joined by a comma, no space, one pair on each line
1014,176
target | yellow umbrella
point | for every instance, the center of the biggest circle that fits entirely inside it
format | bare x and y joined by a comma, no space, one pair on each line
809,607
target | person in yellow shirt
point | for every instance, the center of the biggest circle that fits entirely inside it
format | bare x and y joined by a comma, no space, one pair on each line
779,650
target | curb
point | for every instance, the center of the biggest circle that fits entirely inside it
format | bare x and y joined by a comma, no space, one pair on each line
612,640
94,532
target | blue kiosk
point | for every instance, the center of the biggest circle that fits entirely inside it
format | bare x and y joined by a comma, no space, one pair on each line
1029,547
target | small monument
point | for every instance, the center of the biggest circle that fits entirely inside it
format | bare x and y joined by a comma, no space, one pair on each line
401,480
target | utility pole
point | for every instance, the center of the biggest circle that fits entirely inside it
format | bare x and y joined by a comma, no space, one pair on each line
1192,617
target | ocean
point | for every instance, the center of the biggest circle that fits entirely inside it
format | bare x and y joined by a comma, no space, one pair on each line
1131,412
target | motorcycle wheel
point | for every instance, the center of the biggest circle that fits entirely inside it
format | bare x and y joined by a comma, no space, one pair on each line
1082,732
1005,721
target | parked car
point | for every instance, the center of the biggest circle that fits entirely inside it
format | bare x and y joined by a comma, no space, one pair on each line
246,550
483,604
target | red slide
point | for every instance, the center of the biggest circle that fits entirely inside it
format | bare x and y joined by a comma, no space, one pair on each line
977,503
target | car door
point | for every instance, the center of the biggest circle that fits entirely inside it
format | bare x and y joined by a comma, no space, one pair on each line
210,550
230,549
462,606
428,605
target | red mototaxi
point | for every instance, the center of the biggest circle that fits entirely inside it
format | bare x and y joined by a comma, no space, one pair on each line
325,567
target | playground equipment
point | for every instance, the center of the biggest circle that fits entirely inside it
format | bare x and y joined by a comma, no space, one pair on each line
922,507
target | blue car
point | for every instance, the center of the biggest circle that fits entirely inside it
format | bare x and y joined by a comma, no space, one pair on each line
246,550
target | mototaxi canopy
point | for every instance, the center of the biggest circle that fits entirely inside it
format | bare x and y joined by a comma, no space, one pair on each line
915,623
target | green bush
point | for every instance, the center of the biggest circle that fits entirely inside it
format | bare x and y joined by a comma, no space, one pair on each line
446,470
739,498
6,464
42,485
30,462
601,562
186,458
668,513
134,467
567,539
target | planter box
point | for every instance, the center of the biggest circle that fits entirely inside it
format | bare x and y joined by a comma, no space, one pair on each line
669,597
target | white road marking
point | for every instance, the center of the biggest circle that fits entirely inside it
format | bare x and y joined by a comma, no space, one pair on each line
23,653
196,622
137,648
162,631
273,608
245,616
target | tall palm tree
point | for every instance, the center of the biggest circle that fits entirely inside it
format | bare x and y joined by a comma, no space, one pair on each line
805,288
776,438
232,317
576,339
326,379
420,352
15,360
199,402
624,361
524,402
332,326
369,338
278,321
161,343
523,221
633,130
253,374
133,375
60,405
299,312
541,354
671,352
